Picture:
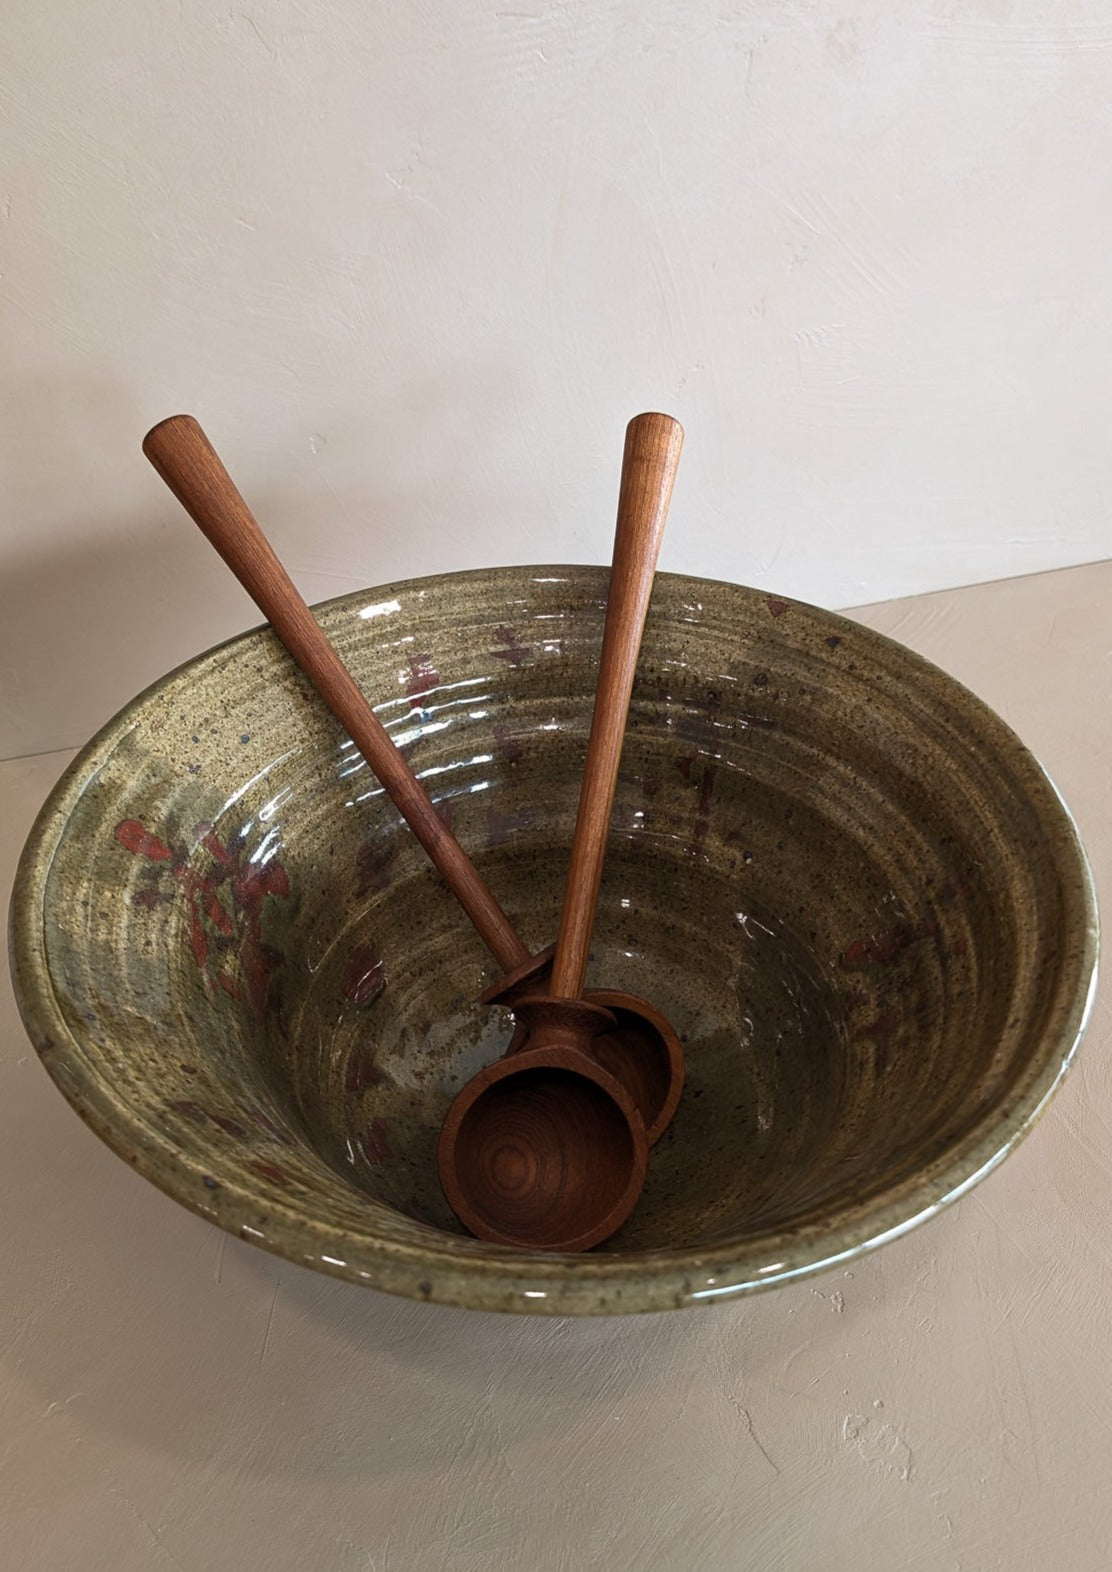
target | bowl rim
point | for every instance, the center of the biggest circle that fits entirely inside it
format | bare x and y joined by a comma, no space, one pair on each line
448,1269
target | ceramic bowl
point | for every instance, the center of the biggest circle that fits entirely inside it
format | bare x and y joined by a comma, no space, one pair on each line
850,887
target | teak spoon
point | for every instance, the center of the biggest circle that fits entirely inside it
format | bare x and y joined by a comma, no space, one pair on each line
644,1051
525,1157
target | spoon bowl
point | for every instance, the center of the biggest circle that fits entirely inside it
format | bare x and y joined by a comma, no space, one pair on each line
548,1151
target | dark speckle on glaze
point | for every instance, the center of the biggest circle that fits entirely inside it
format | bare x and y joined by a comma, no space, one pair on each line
846,883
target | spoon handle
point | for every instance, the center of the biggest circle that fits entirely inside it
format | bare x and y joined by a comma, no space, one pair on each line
188,463
652,455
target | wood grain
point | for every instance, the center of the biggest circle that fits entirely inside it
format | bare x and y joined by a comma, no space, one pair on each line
652,453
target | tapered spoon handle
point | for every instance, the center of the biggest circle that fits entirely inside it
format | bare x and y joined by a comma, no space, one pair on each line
652,454
188,463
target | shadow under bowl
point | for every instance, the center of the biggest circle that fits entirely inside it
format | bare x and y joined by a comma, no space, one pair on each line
846,883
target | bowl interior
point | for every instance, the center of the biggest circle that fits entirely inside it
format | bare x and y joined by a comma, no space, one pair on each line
852,892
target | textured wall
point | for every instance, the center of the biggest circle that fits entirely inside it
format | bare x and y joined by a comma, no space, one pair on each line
414,265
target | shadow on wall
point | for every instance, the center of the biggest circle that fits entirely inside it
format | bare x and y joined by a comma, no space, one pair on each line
93,605
85,625
102,591
104,585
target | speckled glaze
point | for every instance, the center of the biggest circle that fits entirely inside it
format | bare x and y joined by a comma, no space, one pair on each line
851,889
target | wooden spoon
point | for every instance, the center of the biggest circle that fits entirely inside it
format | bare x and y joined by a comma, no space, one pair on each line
510,1171
190,466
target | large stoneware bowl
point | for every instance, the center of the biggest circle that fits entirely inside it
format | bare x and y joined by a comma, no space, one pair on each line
853,891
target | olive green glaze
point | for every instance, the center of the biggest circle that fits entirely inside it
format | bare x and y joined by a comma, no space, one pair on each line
848,885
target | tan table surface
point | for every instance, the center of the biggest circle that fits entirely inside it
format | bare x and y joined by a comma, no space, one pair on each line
173,1398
